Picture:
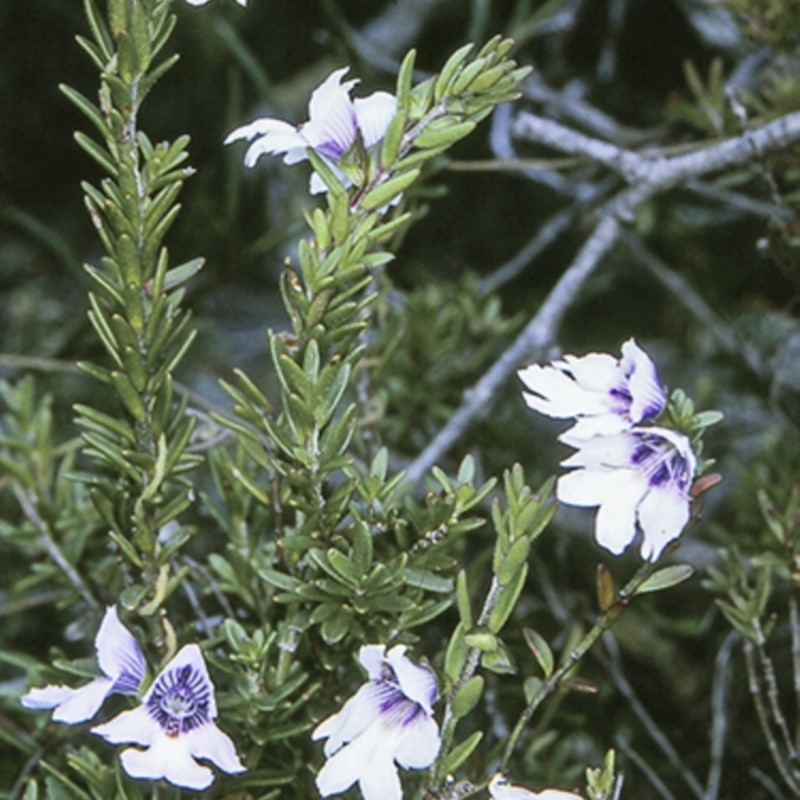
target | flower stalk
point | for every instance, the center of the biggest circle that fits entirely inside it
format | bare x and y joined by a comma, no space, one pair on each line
552,681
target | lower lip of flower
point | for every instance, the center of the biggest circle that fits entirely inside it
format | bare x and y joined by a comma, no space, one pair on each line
179,701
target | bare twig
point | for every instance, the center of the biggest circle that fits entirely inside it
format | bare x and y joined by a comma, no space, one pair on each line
648,177
558,224
644,767
533,340
719,719
28,506
763,717
685,294
613,665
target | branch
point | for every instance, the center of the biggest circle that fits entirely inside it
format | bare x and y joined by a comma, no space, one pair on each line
725,336
719,720
533,340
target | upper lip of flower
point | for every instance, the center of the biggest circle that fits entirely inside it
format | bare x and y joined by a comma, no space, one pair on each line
605,395
121,661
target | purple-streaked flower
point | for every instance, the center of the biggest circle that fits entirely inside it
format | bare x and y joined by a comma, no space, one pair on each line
641,481
605,395
335,122
389,719
500,789
123,667
175,725
203,2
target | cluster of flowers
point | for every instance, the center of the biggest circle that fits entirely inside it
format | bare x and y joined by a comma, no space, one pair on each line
640,475
388,721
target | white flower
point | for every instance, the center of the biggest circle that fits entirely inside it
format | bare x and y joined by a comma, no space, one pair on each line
605,395
175,725
639,478
389,719
335,121
203,2
500,789
121,662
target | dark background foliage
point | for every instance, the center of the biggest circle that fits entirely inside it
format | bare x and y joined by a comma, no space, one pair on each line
626,58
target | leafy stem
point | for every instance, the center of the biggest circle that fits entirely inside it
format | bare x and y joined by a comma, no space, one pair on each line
552,681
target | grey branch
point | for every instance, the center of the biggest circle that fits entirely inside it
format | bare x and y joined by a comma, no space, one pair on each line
647,176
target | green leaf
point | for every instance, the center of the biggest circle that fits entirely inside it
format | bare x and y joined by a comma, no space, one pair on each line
540,649
449,70
335,628
514,560
456,653
383,194
482,640
665,578
468,696
462,751
507,600
499,661
462,596
404,77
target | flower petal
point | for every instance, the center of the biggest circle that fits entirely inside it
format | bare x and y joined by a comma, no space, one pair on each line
357,714
331,127
417,683
595,372
168,758
46,697
118,654
499,789
586,487
373,115
132,726
212,744
379,779
647,394
343,768
372,657
615,525
84,702
369,759
189,656
556,395
418,744
663,515
601,452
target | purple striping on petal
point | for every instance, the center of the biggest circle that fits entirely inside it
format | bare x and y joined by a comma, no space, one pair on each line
391,700
416,712
127,682
332,150
388,675
180,701
660,476
642,453
621,393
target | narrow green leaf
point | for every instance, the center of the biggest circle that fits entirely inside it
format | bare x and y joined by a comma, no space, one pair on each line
507,600
461,752
89,109
404,77
383,194
540,649
96,152
665,578
468,696
451,66
444,134
462,597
